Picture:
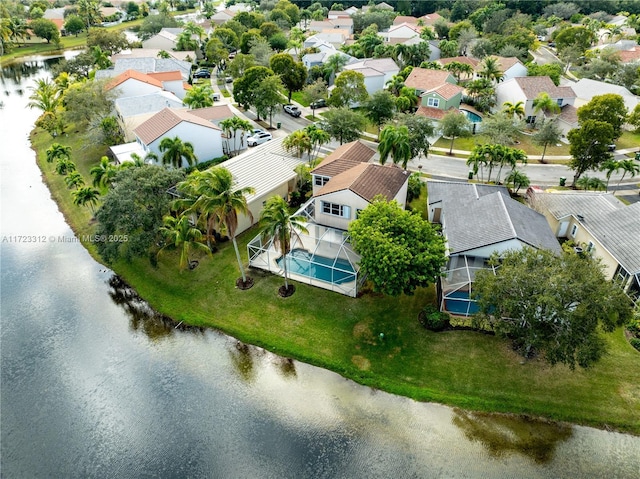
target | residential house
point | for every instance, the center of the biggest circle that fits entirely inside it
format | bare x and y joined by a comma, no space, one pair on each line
478,221
217,114
146,65
430,19
527,89
132,111
166,39
172,82
424,79
401,31
377,72
438,91
325,51
600,225
133,83
340,23
222,16
344,183
186,56
586,89
472,62
335,37
205,137
347,12
511,67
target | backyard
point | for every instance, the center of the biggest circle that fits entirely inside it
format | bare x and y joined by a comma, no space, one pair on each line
460,368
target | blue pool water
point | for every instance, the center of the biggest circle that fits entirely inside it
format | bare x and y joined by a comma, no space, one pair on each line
300,262
457,302
472,117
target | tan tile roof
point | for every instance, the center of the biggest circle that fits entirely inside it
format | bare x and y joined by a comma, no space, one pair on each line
466,60
217,112
165,120
343,158
532,86
433,113
368,180
506,62
425,79
133,74
569,114
412,26
430,18
400,19
629,56
446,91
167,76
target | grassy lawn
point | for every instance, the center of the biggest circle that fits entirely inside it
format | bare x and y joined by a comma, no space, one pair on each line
525,144
628,139
299,97
460,368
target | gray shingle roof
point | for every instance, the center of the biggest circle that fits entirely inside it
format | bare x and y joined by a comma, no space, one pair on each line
480,215
139,105
614,225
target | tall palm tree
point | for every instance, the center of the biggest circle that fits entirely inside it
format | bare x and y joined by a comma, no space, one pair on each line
514,109
518,179
74,180
100,58
490,69
179,233
89,11
277,225
86,196
175,151
199,96
545,104
103,173
193,29
395,141
395,84
231,127
334,64
610,166
56,150
300,141
628,166
318,138
45,96
231,202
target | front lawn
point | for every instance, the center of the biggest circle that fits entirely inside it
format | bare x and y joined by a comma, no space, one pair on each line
459,368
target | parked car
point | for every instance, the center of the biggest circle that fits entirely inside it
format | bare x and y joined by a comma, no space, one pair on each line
292,110
552,44
228,80
202,73
258,138
318,103
611,147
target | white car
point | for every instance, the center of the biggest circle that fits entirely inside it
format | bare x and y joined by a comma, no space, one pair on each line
258,138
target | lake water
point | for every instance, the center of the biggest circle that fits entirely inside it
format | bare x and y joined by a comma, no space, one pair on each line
95,384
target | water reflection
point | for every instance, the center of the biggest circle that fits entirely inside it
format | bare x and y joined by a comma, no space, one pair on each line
502,434
142,317
242,359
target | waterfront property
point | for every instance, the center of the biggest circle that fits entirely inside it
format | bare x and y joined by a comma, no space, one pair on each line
478,221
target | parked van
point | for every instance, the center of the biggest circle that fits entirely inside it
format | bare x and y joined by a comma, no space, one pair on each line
216,97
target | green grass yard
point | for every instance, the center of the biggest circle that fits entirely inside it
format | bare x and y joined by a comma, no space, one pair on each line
459,368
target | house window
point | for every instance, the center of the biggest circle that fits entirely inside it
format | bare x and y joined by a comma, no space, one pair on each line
621,275
559,101
320,180
434,102
590,247
531,119
574,230
335,209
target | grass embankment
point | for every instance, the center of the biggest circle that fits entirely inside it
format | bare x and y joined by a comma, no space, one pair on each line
460,368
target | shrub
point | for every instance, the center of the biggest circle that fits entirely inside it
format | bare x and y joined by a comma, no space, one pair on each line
635,342
206,164
432,319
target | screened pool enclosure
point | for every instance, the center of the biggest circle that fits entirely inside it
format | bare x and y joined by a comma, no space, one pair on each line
457,282
322,257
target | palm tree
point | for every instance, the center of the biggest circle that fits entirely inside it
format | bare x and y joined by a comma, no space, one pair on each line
588,182
64,166
300,141
56,150
395,141
89,11
103,173
490,69
318,138
45,96
510,157
74,180
199,96
278,226
333,65
179,233
628,166
230,202
514,109
192,29
545,104
86,196
100,58
518,179
175,151
231,126
395,84
610,166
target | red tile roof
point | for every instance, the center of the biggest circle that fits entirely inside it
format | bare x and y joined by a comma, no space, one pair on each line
343,158
446,91
433,113
167,76
532,86
368,180
135,75
461,59
217,112
430,18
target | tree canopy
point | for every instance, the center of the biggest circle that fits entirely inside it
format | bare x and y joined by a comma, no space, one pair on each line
399,250
135,206
589,146
343,124
608,108
556,306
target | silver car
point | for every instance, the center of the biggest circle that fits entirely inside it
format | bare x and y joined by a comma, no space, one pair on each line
259,138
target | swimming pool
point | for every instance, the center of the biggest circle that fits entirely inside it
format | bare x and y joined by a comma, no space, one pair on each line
300,261
472,117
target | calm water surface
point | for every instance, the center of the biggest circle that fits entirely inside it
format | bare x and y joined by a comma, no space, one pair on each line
95,384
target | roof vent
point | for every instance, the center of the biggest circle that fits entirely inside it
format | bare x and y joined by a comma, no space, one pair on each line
580,217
